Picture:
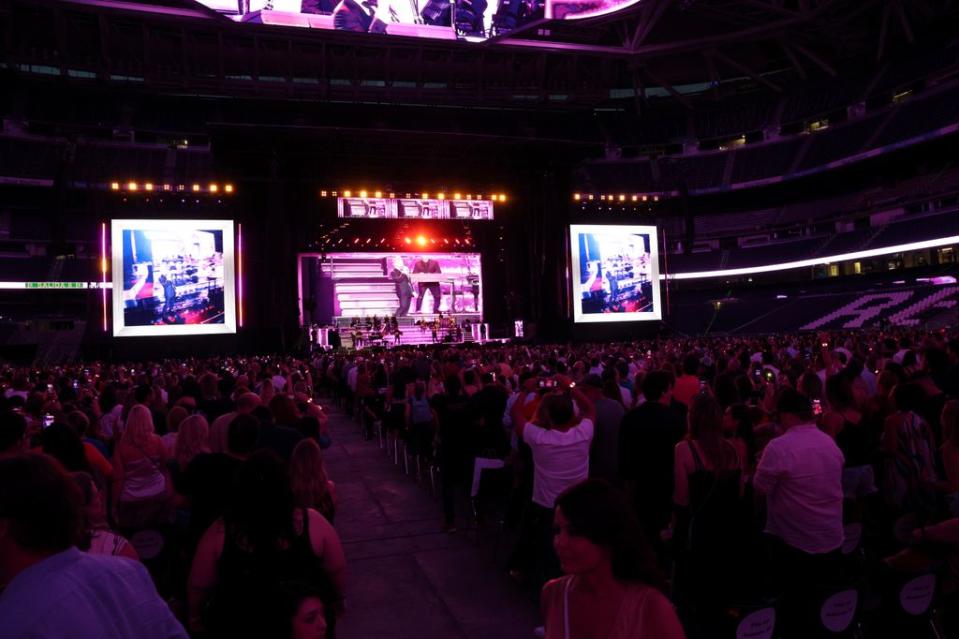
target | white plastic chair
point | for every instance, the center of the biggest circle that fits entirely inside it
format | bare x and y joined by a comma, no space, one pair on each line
838,611
758,624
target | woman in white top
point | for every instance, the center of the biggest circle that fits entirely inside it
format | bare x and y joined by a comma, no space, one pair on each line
98,538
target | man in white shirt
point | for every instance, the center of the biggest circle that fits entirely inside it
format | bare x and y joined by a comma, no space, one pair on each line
800,473
560,443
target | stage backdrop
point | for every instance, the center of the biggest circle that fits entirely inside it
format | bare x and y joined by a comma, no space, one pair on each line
385,284
173,277
615,273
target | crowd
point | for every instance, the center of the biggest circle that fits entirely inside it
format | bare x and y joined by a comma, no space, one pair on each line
654,487
164,499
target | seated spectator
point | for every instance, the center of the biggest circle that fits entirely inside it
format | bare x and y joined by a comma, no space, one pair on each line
262,541
80,423
297,612
139,470
311,487
279,434
53,589
193,439
612,586
62,443
209,478
173,420
97,538
245,403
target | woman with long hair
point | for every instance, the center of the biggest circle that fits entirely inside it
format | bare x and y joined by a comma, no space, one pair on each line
139,472
261,541
612,588
707,504
311,487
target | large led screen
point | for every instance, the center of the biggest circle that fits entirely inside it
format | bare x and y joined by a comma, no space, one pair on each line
615,273
474,20
173,277
415,285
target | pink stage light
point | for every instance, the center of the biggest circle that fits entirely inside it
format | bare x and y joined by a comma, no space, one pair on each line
103,271
239,273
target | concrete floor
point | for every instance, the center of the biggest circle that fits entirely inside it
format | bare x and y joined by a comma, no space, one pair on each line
408,578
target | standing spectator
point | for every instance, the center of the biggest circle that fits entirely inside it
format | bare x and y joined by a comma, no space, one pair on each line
245,404
604,454
173,420
646,440
193,440
560,443
908,445
800,473
687,384
455,420
53,589
13,430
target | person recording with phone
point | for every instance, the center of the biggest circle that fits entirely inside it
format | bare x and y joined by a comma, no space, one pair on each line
560,442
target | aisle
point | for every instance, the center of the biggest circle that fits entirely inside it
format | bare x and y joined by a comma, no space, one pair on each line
408,578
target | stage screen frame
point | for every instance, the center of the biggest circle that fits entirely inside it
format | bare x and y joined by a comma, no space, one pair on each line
228,326
581,317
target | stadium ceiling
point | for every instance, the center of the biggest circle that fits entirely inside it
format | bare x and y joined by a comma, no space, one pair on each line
655,47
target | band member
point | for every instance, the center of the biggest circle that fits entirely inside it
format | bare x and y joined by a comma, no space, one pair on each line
404,288
427,265
363,15
169,297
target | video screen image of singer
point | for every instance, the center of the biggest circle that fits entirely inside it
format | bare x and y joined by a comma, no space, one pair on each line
617,273
172,277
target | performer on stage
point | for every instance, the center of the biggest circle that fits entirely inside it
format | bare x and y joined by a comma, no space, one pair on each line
404,288
169,297
350,15
427,265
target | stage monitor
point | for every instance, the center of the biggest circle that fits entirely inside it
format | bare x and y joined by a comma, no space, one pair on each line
173,277
411,285
615,273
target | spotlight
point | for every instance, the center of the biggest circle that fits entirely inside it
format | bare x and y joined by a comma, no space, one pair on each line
196,188
347,193
114,186
602,197
622,198
214,188
407,240
167,187
420,240
442,196
458,196
132,186
426,196
148,186
645,198
378,194
322,193
577,197
655,198
363,193
635,197
590,197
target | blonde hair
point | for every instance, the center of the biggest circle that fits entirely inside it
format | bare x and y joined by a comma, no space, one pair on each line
139,426
307,474
192,438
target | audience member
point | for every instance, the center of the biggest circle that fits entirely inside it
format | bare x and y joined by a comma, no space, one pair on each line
53,589
261,541
311,487
612,588
140,478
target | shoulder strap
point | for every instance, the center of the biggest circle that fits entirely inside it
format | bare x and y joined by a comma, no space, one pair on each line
566,608
696,459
